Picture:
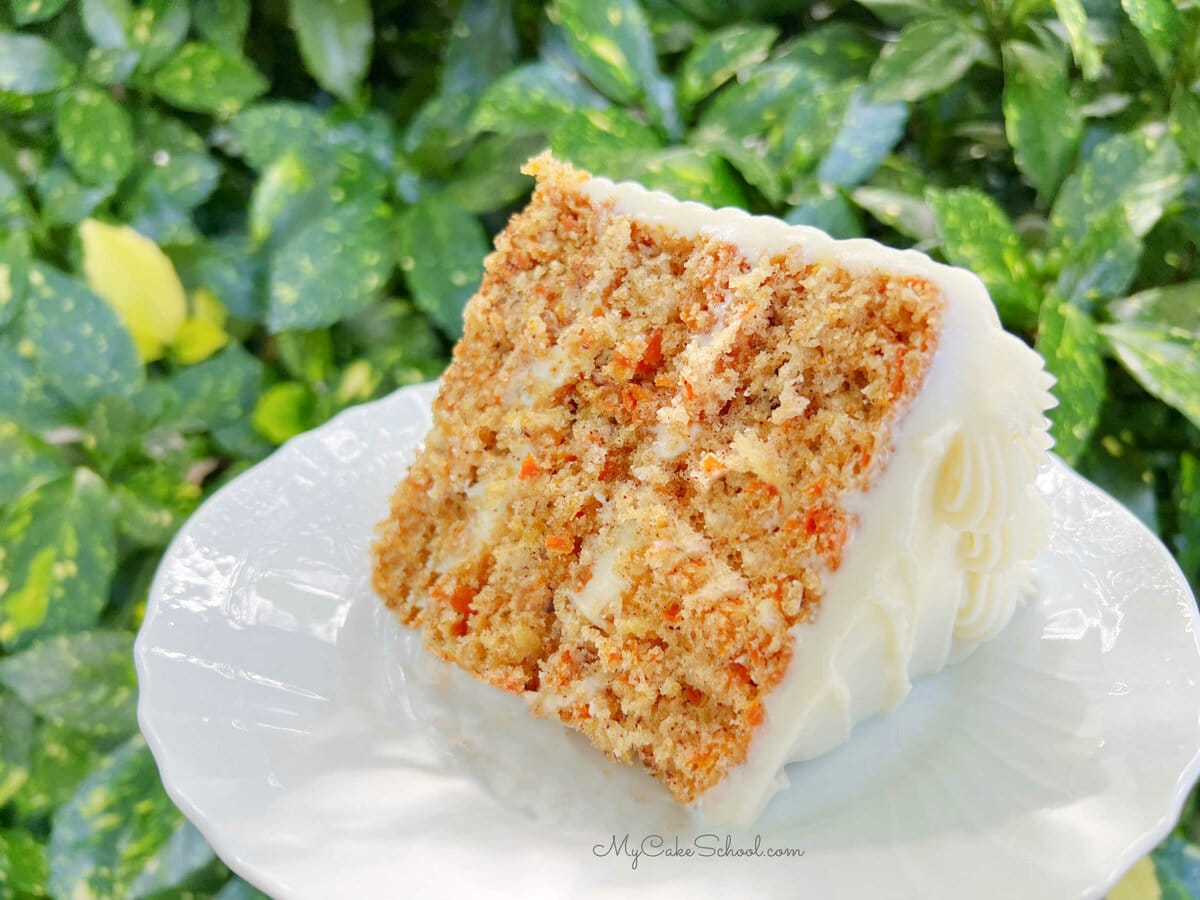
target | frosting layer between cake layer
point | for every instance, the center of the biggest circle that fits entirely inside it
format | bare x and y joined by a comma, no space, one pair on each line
942,554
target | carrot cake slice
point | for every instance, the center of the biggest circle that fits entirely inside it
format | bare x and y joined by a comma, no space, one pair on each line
710,488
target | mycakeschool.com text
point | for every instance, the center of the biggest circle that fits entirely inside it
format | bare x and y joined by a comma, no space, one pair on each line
702,846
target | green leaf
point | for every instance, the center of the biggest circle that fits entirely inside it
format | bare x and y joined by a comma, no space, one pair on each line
689,173
837,51
122,427
1136,172
603,141
673,29
1164,360
481,47
1042,121
811,122
120,835
331,266
1184,124
438,134
867,135
441,251
977,235
277,199
204,78
266,131
746,123
161,202
306,355
1123,472
95,135
78,344
14,282
218,392
222,22
1187,542
490,175
61,759
156,30
394,326
336,39
721,11
180,176
23,869
1068,341
25,395
84,681
153,501
64,201
107,22
909,215
185,860
1103,264
28,462
929,56
613,45
899,12
15,211
757,107
1160,23
110,65
1074,18
227,266
16,748
61,553
26,12
830,212
240,890
284,411
724,54
302,187
1172,306
532,99
1177,864
30,65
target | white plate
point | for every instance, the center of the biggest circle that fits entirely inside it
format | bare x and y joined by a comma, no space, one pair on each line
323,755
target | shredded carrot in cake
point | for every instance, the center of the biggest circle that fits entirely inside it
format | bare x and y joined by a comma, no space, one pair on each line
635,479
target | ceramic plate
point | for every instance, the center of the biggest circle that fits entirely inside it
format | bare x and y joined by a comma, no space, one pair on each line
324,755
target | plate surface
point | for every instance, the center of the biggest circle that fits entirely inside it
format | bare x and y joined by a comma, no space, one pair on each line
323,754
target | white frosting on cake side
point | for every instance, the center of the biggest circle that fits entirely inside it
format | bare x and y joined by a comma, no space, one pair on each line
942,554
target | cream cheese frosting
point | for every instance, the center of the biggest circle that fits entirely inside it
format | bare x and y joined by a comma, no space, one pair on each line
943,552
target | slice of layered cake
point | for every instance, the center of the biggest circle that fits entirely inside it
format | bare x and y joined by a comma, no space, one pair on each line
710,488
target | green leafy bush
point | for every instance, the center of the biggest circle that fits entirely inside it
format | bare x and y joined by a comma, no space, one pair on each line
308,190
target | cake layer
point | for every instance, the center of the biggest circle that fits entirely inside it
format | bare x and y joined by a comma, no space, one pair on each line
942,551
664,495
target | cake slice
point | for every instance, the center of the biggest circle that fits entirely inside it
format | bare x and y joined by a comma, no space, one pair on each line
710,488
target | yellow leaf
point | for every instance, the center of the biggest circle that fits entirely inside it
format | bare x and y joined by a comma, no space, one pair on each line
1139,883
207,308
197,340
133,276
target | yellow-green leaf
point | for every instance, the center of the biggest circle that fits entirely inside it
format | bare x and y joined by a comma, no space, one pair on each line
283,411
130,273
60,551
207,307
197,340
